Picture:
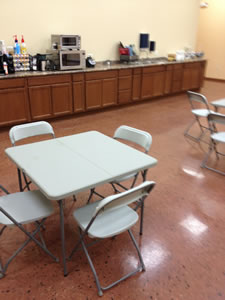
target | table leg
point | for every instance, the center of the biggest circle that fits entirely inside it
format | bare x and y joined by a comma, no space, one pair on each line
60,202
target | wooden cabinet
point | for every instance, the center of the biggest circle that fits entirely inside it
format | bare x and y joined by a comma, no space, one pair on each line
50,96
78,92
192,76
13,102
44,97
153,80
177,78
125,86
136,84
101,89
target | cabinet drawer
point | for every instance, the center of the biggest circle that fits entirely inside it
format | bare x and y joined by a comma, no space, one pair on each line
11,83
153,69
136,71
78,77
192,65
125,83
44,80
100,75
125,72
178,66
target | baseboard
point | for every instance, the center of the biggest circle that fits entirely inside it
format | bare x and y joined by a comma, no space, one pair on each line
214,79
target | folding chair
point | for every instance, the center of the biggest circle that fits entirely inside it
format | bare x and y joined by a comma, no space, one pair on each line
108,218
216,138
196,99
140,138
21,132
24,208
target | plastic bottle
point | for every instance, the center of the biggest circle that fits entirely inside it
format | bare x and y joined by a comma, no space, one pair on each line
5,67
23,46
16,46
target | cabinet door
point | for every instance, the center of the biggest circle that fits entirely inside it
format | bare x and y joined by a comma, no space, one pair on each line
93,94
196,77
40,102
61,99
136,91
78,96
13,106
168,81
158,84
186,84
109,92
177,78
147,86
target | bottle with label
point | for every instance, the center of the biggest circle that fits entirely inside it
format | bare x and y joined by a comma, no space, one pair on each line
23,46
16,46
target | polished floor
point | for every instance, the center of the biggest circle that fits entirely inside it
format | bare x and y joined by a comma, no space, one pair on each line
183,245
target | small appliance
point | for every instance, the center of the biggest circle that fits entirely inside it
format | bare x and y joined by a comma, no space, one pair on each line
68,59
65,42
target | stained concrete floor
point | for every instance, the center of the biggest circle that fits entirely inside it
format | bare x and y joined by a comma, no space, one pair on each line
183,245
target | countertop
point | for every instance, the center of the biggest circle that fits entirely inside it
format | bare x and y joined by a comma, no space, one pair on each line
104,66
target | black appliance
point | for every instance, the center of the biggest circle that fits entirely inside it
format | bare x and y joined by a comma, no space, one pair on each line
8,59
1,65
90,62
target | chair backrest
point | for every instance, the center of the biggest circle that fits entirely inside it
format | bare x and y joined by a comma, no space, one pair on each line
20,132
199,98
139,137
125,198
216,118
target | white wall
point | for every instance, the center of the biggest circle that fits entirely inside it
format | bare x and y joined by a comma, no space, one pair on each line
101,23
211,38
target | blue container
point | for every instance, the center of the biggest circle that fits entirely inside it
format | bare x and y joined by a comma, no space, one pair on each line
144,40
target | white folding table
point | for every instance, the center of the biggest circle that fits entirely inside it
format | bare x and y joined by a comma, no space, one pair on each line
64,166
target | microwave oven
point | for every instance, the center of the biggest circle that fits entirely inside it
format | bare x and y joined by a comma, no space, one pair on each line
65,42
69,59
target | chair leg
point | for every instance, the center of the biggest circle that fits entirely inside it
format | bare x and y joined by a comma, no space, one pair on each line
142,218
137,249
92,192
199,138
31,237
100,293
101,288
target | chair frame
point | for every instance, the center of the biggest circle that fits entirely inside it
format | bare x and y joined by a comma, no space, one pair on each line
197,97
23,131
30,235
213,119
140,192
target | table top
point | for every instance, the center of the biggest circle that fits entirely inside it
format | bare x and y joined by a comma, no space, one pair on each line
219,103
64,166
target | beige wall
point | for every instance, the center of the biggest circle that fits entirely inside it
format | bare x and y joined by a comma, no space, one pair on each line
211,37
101,23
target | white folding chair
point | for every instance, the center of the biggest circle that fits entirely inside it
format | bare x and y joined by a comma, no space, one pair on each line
24,208
110,217
197,99
21,132
142,139
217,137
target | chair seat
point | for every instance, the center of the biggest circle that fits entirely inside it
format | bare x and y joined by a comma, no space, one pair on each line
109,224
201,112
25,207
218,137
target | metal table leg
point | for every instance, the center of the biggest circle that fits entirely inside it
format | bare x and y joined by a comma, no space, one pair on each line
60,202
